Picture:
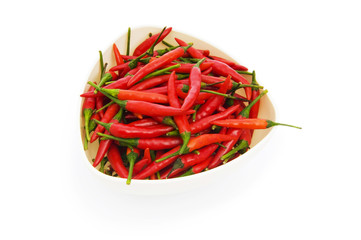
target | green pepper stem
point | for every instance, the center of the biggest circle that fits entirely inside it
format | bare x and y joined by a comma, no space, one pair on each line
246,110
187,173
87,112
150,51
161,71
168,120
107,77
121,103
167,44
271,124
198,64
243,144
244,72
176,165
101,63
224,95
186,136
105,106
105,125
171,155
128,41
126,141
172,133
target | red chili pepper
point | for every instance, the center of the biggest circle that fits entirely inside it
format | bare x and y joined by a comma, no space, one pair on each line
169,157
151,82
213,80
216,161
195,86
118,57
119,84
207,71
196,143
230,63
187,67
249,123
185,161
158,143
140,165
213,102
192,51
116,161
136,95
202,96
88,108
255,93
181,121
145,108
125,131
167,120
206,122
132,155
144,46
99,105
105,144
225,70
146,122
108,115
109,76
158,63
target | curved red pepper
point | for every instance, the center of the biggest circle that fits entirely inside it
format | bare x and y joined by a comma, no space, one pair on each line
125,131
108,115
157,63
213,102
192,51
116,161
158,143
146,44
195,86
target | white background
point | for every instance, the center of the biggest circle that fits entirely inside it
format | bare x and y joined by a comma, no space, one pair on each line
304,185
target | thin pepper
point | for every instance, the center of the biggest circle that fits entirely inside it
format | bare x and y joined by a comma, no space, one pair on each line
116,161
158,63
158,143
108,115
105,144
145,108
195,86
249,123
146,44
181,121
216,161
125,131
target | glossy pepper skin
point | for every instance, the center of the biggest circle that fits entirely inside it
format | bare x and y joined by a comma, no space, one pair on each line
125,131
108,115
158,143
181,121
145,108
146,44
213,102
116,161
216,161
105,144
195,86
159,62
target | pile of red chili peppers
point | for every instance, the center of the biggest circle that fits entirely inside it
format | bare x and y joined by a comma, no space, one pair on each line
171,112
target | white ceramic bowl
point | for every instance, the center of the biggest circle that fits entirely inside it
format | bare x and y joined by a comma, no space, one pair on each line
153,187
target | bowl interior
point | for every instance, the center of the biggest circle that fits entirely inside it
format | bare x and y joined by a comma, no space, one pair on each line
138,35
